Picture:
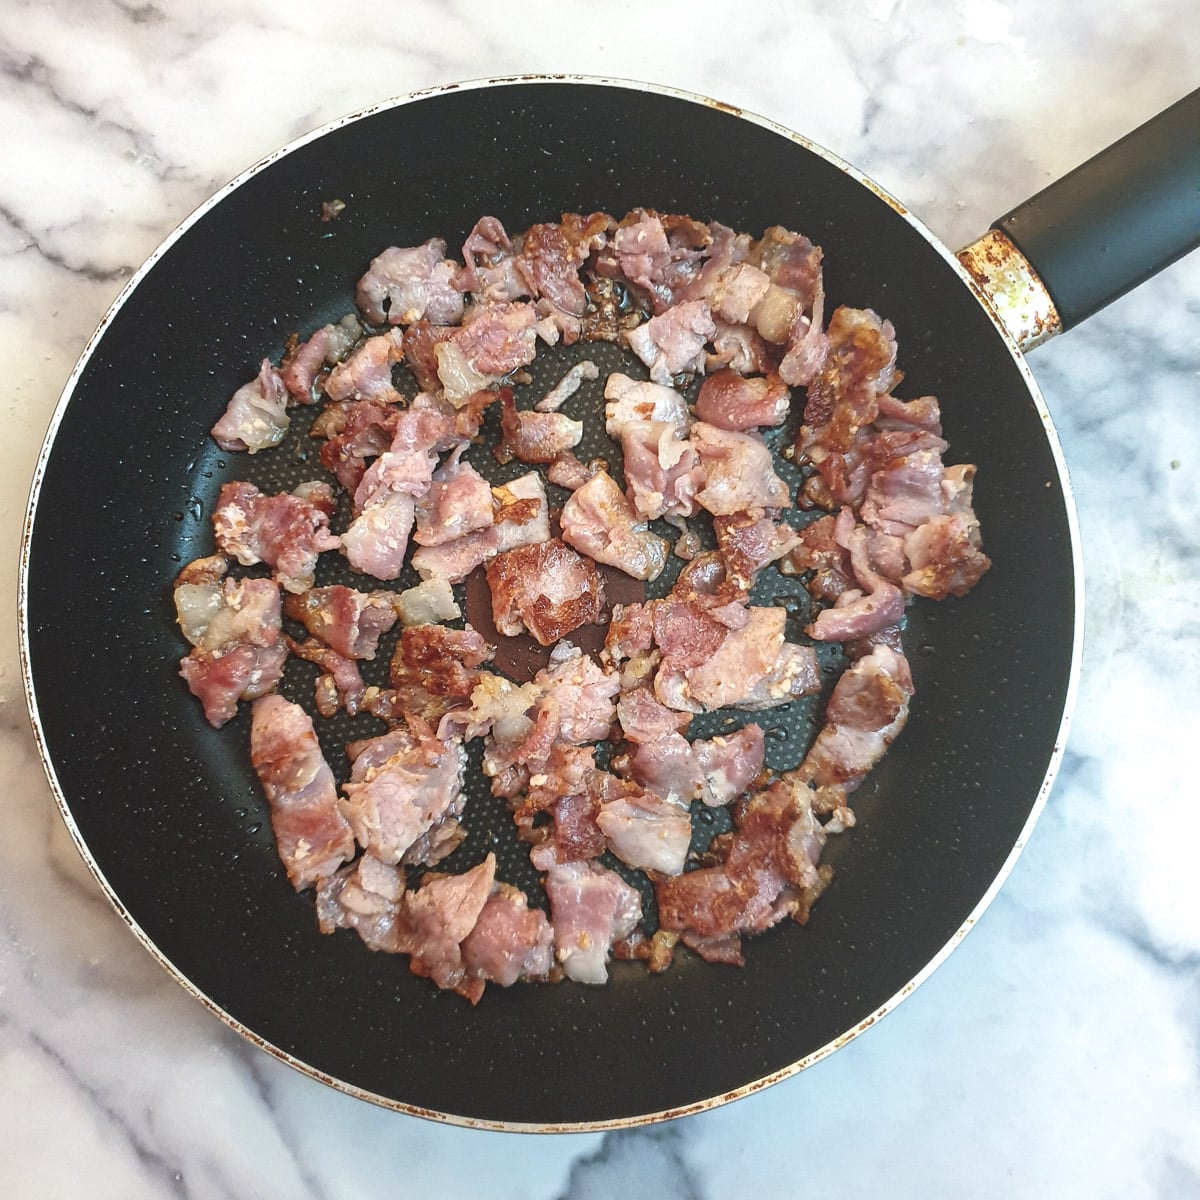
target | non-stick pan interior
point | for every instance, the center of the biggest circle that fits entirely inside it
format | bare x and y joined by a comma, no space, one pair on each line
170,811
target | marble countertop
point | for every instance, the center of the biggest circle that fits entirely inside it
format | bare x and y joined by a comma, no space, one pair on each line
1055,1053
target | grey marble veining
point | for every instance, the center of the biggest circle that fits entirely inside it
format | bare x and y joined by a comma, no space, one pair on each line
1055,1052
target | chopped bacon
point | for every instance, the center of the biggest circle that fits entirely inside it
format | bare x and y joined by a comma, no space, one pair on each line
365,897
510,941
647,832
741,349
566,471
286,531
730,764
598,520
844,399
858,612
866,712
769,863
304,361
402,785
738,471
340,684
459,501
731,401
660,254
640,400
312,837
533,437
582,694
411,284
673,342
435,669
348,621
568,385
490,273
550,268
496,339
356,430
235,630
421,340
748,541
590,908
437,918
644,719
662,471
256,417
546,589
429,603
367,373
754,667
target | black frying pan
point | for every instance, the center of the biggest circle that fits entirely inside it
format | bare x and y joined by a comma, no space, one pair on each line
167,811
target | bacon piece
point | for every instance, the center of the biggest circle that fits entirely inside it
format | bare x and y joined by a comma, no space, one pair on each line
437,918
568,385
660,253
491,267
286,531
348,621
533,437
862,611
843,400
256,417
640,400
434,670
365,897
547,589
581,692
402,784
304,361
421,340
866,712
730,401
590,908
730,764
411,284
510,941
647,832
367,373
549,265
429,603
769,864
662,471
741,349
356,431
459,501
235,630
753,667
598,520
312,837
496,339
739,472
673,342
737,291
748,541
340,685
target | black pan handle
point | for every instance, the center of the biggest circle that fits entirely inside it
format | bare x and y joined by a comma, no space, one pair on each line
1119,218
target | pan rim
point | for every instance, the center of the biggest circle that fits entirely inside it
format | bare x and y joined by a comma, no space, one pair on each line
47,448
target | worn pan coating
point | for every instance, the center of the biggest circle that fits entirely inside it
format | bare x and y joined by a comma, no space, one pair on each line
167,811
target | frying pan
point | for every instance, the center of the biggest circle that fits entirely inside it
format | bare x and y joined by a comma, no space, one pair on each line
167,812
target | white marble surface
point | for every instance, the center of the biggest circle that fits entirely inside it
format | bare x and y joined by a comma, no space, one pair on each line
1056,1052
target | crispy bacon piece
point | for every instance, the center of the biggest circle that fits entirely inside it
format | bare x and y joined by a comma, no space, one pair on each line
768,865
356,430
546,589
866,712
748,541
286,531
311,835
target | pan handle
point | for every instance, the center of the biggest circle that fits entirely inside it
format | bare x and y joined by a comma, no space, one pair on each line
1098,232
